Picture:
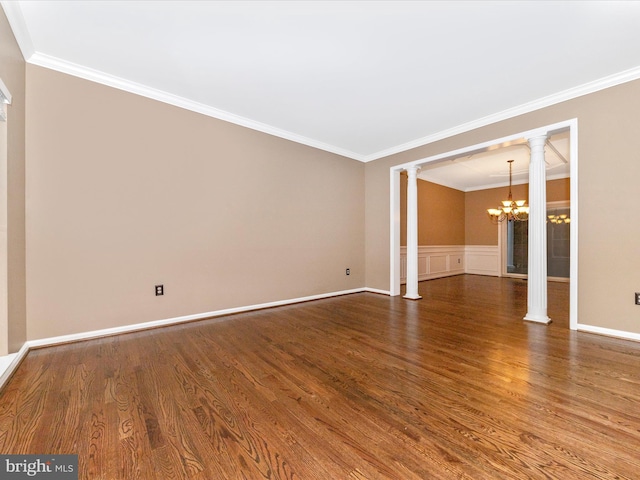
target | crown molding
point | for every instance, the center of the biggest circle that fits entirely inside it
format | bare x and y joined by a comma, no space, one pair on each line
19,27
23,38
559,176
97,76
569,94
462,188
159,95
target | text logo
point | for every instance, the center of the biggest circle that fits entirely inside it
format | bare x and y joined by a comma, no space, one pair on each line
49,467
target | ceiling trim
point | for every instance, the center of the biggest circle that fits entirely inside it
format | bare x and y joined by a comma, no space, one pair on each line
159,95
23,37
569,94
487,186
97,76
21,33
519,182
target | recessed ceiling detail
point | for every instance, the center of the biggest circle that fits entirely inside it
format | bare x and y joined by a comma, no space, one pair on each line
489,169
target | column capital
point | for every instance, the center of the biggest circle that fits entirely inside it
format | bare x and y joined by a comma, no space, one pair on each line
536,145
538,140
413,169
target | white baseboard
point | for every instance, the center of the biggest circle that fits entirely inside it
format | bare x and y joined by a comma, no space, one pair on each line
609,332
376,290
176,320
9,363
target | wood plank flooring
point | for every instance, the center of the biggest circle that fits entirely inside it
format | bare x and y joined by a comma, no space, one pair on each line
362,386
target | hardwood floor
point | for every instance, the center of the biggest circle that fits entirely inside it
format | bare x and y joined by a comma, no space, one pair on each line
362,386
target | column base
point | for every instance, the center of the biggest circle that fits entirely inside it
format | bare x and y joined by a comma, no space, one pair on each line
537,319
412,297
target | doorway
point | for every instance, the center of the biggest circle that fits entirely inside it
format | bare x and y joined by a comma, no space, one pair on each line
570,126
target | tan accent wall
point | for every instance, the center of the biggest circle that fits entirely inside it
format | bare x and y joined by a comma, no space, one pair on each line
126,193
608,172
559,190
479,230
12,72
436,224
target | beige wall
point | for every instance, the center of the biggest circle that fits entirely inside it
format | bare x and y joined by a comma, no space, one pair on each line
126,192
479,230
12,72
608,193
436,225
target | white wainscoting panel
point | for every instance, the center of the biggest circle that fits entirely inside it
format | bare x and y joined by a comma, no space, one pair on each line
483,260
435,261
445,260
438,263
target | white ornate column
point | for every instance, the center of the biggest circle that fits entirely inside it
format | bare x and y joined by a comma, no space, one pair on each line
537,277
412,234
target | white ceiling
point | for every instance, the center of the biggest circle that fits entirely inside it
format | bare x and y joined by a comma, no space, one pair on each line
362,79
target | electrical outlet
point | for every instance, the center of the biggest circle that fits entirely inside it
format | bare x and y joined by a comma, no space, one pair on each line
637,298
159,290
348,271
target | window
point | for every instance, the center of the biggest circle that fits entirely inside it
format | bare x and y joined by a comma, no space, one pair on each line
516,245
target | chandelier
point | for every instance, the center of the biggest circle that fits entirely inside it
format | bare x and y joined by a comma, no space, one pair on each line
511,209
559,219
